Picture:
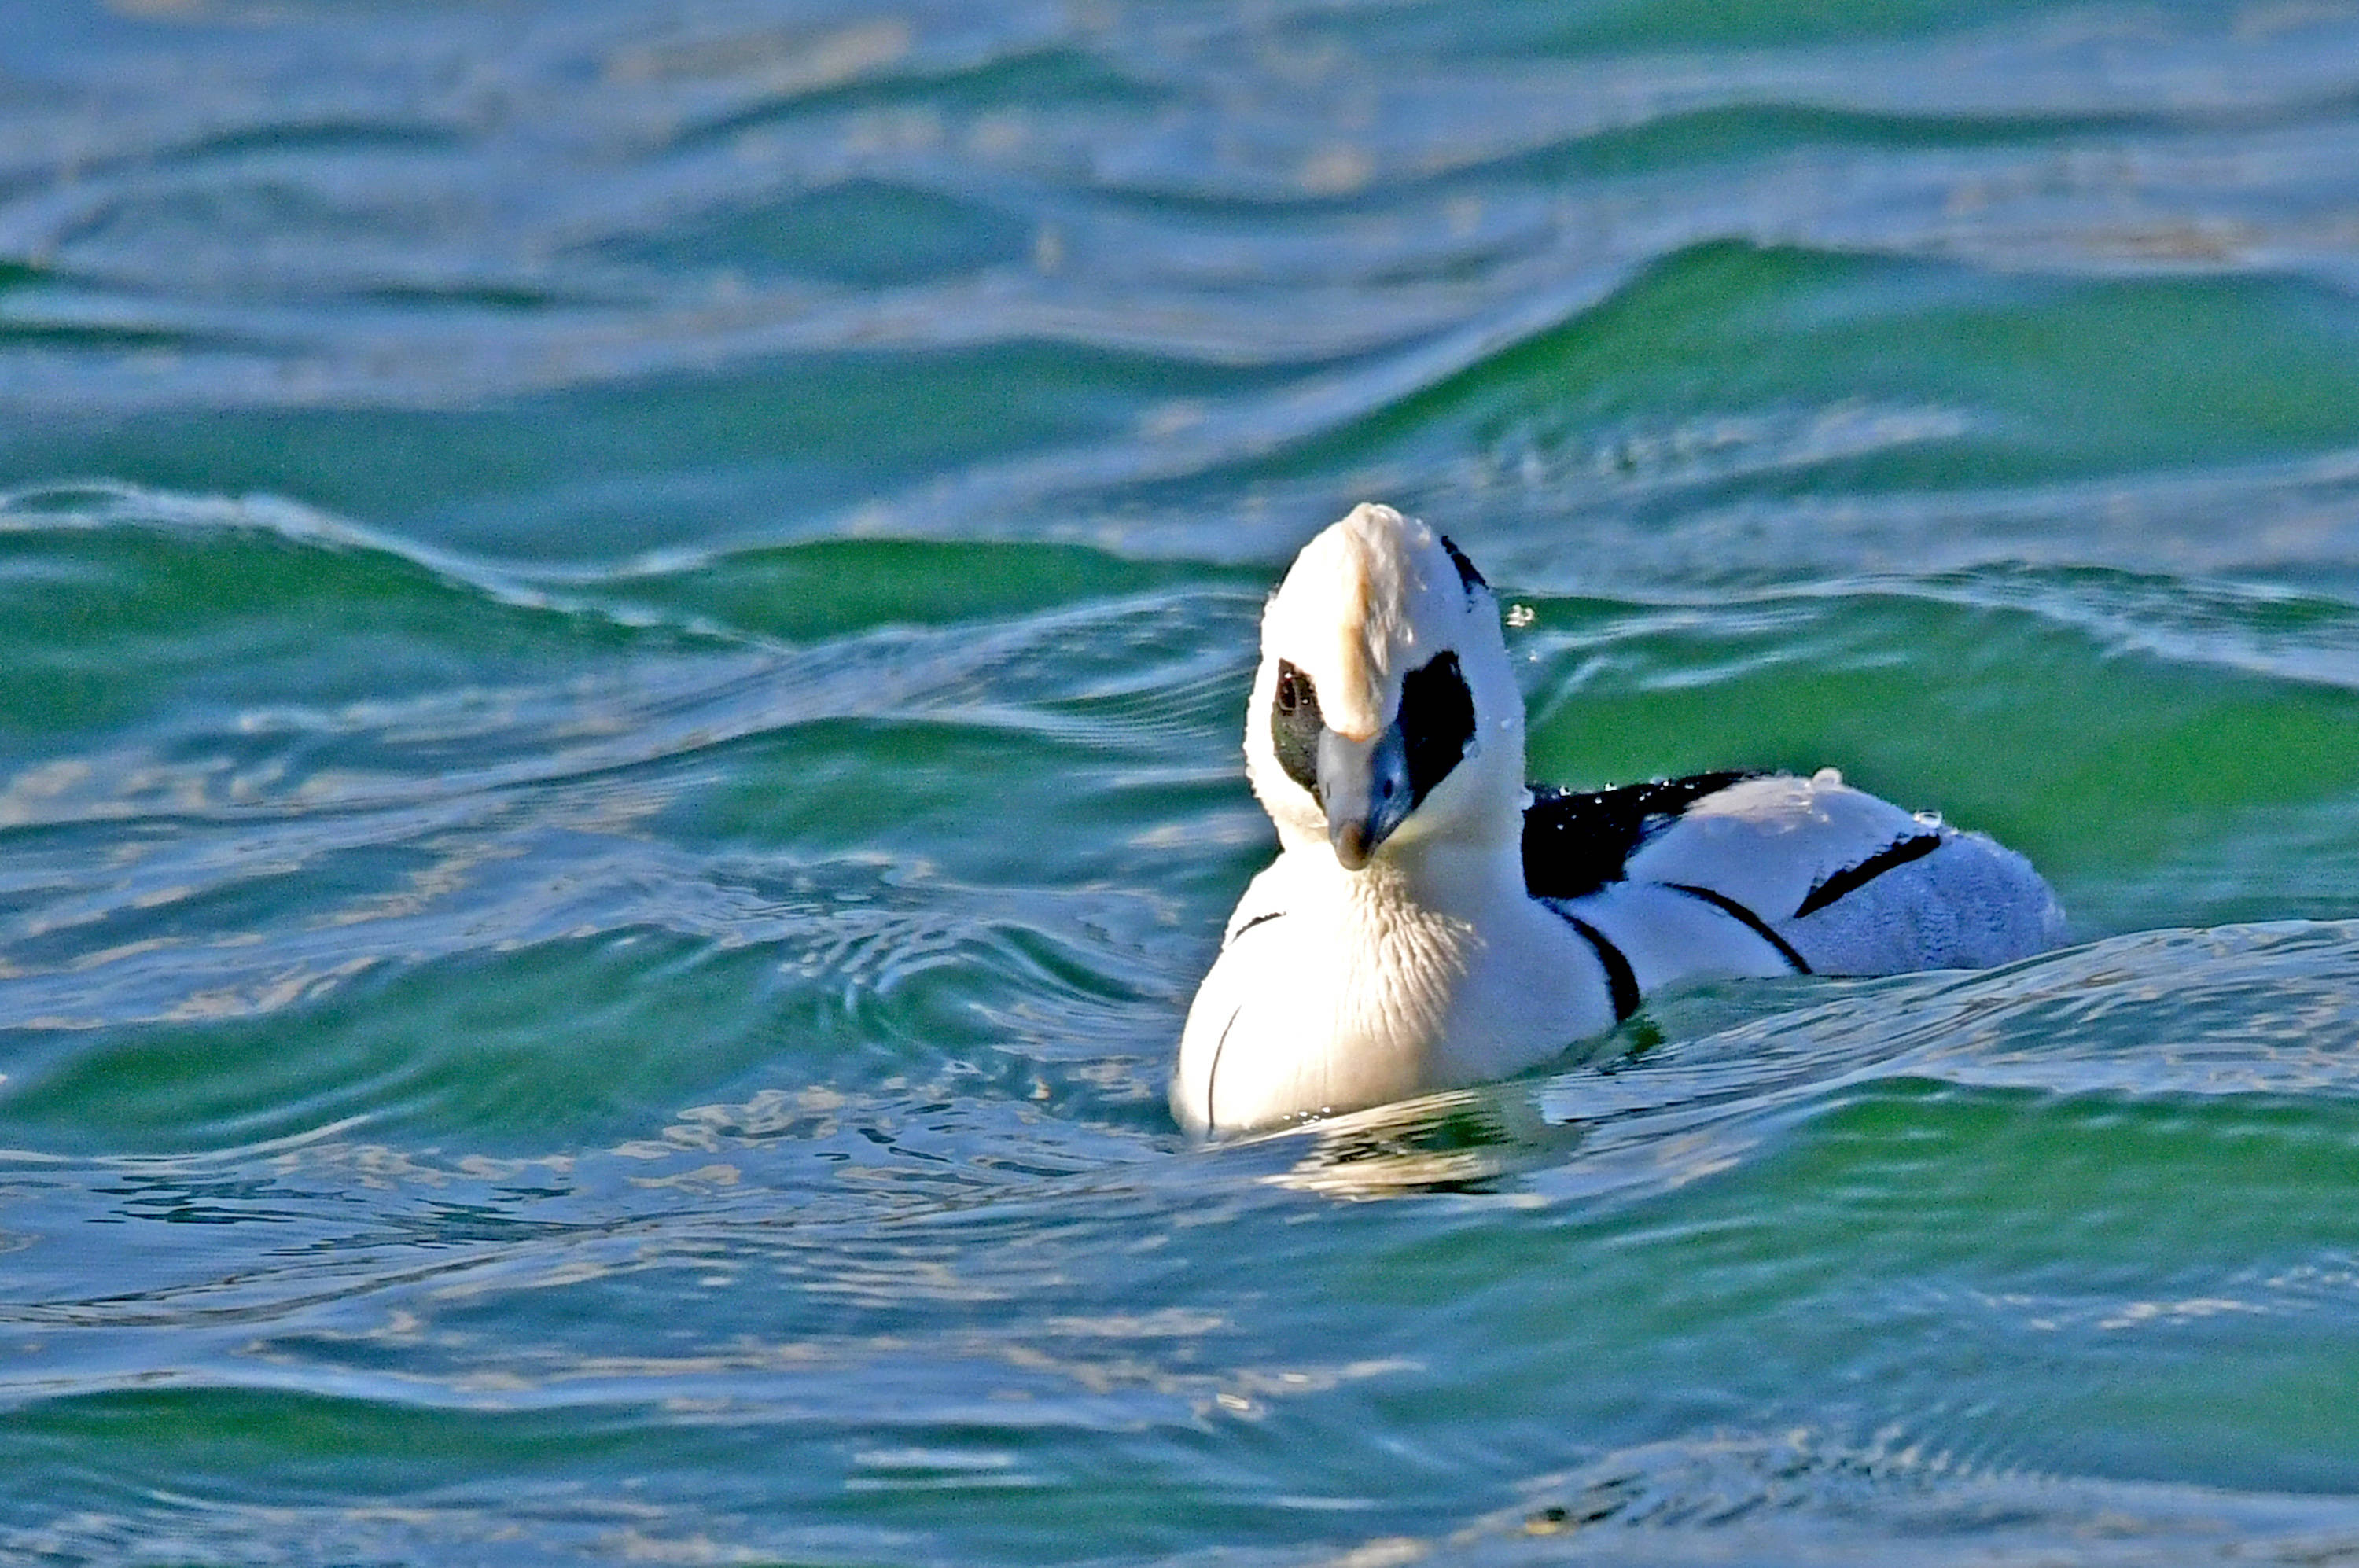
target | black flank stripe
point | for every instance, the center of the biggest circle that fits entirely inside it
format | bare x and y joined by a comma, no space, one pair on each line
1851,879
1212,1074
1621,981
1257,920
1746,918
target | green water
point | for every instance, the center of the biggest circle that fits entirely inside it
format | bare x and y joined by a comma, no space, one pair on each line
623,631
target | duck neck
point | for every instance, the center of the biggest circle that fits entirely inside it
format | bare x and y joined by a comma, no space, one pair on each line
1447,875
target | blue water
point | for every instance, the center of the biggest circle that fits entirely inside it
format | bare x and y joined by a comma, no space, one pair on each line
623,634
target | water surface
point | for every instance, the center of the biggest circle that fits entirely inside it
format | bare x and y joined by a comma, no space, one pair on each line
622,636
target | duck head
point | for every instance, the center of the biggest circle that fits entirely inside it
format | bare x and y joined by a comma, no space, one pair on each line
1385,715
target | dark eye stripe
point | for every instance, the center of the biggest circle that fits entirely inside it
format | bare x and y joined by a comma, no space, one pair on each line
1436,716
1294,726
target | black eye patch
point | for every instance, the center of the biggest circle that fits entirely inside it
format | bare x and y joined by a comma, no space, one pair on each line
1294,726
1437,720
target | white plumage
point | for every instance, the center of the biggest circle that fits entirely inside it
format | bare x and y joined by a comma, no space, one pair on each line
1430,922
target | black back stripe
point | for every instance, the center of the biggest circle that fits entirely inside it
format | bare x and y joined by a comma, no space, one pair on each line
1746,918
1852,878
1576,841
1621,980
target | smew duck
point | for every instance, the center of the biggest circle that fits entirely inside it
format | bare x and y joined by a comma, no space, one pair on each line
1430,920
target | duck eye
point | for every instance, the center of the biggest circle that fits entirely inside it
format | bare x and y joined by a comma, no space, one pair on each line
1294,726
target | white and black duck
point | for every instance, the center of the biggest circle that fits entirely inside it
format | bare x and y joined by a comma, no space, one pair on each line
1431,920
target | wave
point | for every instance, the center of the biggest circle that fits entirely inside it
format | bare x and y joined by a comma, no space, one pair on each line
2269,1012
378,752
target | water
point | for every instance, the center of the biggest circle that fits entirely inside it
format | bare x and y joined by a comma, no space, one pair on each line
622,633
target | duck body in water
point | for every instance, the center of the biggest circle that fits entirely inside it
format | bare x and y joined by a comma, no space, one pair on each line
1431,920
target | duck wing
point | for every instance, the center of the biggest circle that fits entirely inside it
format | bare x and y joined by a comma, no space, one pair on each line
1727,874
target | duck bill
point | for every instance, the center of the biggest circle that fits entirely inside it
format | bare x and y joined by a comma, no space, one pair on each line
1364,788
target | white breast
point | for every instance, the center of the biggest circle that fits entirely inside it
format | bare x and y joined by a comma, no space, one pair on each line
1336,990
